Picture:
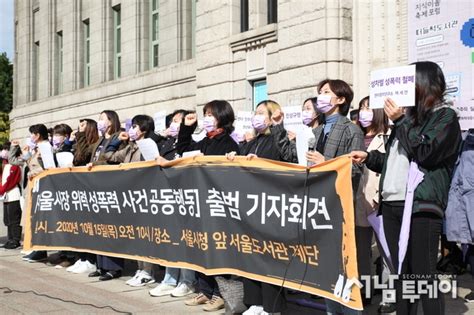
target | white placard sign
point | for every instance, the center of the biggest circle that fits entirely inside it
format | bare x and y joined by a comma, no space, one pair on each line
292,121
148,149
46,151
160,121
398,83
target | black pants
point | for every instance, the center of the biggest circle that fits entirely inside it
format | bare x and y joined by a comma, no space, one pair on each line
106,263
258,293
12,219
208,285
92,258
364,252
421,257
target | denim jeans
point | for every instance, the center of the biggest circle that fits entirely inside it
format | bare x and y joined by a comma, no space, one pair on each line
173,276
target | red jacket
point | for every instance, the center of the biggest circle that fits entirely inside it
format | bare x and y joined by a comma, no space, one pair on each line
13,179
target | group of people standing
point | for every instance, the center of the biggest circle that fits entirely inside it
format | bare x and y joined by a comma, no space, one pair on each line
382,142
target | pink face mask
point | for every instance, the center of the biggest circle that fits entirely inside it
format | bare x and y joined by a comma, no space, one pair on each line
57,140
323,103
208,123
133,134
307,117
174,129
102,126
258,123
30,143
365,118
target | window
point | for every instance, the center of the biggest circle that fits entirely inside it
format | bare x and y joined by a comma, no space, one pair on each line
154,28
244,15
87,53
59,62
193,28
35,58
36,51
117,42
259,92
272,11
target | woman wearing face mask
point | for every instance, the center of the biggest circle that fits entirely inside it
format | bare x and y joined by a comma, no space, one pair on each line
61,134
264,144
218,122
109,129
262,297
310,117
428,135
167,142
336,137
143,127
178,282
375,125
85,138
32,158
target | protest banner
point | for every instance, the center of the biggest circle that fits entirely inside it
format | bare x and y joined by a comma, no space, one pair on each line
270,221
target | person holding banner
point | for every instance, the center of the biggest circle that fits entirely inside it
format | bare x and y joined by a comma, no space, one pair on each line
142,127
218,122
168,139
264,144
32,157
425,141
108,268
178,282
61,134
311,118
336,137
84,139
258,296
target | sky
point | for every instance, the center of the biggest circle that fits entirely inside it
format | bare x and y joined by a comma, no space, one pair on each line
6,28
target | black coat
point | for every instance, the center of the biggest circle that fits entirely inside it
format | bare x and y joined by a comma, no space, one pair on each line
219,145
167,146
263,146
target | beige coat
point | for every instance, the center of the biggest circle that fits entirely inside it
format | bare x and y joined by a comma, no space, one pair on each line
367,198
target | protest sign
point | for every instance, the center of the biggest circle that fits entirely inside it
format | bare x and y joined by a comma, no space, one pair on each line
397,83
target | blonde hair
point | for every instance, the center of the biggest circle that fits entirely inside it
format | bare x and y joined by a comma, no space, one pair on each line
272,107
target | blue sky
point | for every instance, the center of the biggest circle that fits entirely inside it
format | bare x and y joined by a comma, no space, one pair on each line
6,28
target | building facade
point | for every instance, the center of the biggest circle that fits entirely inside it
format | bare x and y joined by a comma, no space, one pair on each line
75,58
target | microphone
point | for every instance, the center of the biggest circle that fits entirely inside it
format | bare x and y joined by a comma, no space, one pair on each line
311,147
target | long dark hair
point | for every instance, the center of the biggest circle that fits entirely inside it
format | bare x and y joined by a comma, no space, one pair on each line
430,88
379,121
223,113
90,131
113,117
